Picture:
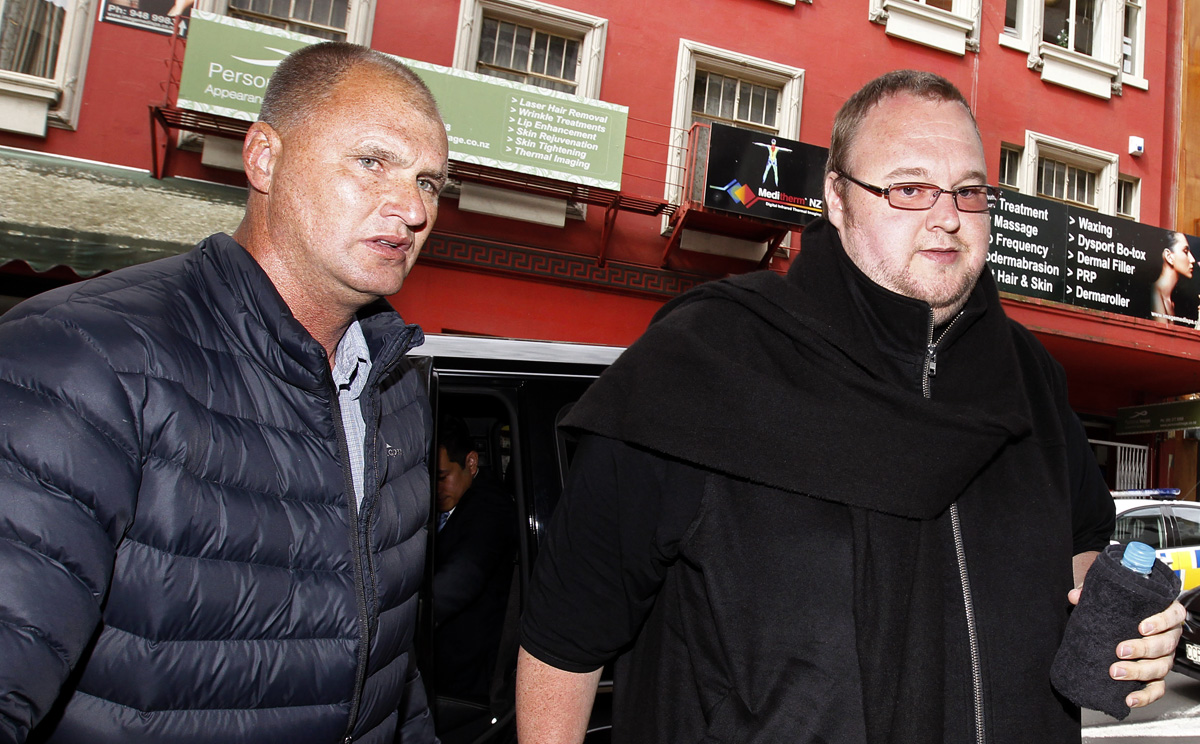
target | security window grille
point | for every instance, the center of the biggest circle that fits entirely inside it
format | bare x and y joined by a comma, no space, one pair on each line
1129,39
1071,24
325,19
1067,183
1127,198
732,101
528,55
30,32
1010,165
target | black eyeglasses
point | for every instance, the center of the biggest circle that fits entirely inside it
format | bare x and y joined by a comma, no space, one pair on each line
920,196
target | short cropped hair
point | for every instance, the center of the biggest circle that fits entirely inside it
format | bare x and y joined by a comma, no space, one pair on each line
307,77
456,438
927,85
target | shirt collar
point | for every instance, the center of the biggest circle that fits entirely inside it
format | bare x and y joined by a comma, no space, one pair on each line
352,361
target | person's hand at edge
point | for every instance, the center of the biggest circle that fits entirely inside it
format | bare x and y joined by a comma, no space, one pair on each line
1149,658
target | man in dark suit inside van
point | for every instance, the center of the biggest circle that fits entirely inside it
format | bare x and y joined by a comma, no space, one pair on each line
475,545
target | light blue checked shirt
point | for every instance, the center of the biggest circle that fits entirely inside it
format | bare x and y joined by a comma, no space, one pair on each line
351,368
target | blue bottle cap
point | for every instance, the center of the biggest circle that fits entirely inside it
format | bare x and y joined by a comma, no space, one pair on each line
1138,557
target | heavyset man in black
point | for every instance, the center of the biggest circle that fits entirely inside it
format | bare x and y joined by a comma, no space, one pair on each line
848,505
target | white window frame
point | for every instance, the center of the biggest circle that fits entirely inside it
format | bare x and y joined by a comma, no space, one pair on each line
1135,212
955,31
1020,37
1138,77
28,104
734,121
589,29
360,17
1097,74
789,80
1019,157
1103,163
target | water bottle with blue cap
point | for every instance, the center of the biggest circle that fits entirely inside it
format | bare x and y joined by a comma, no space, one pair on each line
1138,557
1125,585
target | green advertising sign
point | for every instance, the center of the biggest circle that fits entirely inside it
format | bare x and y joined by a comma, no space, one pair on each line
489,121
228,63
1183,414
518,127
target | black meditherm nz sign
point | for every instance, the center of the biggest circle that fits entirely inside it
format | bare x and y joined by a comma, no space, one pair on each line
763,175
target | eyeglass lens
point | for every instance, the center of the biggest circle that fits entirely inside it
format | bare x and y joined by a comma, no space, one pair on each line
924,196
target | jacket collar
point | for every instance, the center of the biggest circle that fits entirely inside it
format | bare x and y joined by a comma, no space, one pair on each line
854,308
256,317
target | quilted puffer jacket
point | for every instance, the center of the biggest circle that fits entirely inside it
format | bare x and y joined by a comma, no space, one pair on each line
180,560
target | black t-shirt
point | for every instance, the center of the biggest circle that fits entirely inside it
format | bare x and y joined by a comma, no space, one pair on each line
615,534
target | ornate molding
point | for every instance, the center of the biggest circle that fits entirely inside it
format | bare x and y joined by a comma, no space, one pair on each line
564,268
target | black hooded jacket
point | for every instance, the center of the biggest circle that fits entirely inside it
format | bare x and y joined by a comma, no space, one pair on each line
762,525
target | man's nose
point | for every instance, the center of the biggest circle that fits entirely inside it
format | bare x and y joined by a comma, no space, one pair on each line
943,213
406,200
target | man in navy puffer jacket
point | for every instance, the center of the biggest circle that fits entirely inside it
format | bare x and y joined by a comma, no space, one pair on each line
213,478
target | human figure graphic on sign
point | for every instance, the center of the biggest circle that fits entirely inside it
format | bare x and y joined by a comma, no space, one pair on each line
773,151
1177,261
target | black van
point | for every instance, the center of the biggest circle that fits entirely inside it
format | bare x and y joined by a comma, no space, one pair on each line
511,395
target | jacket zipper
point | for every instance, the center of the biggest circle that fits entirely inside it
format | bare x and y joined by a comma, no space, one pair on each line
388,359
960,553
360,588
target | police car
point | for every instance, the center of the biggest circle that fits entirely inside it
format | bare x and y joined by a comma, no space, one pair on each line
1187,653
1172,527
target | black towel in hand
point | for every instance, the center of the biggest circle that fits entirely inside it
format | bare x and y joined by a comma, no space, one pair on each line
1115,600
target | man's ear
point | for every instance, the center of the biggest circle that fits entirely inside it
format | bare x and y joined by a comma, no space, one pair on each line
260,151
834,205
473,463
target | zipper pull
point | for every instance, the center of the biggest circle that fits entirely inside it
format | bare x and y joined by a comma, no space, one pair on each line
931,360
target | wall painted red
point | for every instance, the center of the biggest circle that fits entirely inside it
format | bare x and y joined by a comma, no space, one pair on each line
446,300
835,44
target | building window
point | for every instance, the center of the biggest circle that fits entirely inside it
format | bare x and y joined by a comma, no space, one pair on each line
527,55
1076,43
949,25
1068,172
1066,183
337,20
30,37
1010,167
726,99
1133,42
1128,197
1070,24
1019,22
713,84
1012,16
532,43
325,19
43,54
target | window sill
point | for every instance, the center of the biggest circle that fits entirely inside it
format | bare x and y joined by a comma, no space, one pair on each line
1077,71
25,103
1136,82
1014,42
931,27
